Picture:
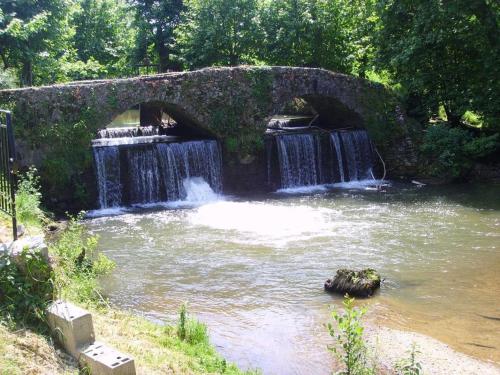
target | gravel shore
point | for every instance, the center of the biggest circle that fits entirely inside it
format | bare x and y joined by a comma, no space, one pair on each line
390,345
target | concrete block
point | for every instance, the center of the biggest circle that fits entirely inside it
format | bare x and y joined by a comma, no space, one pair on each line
101,359
71,325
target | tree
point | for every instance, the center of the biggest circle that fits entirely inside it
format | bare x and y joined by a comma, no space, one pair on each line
316,33
444,53
156,21
104,34
218,32
30,31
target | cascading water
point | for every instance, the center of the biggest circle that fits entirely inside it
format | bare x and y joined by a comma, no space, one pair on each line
107,162
357,157
305,161
336,144
154,172
128,132
299,160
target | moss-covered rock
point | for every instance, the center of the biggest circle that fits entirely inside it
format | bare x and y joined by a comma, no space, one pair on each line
361,283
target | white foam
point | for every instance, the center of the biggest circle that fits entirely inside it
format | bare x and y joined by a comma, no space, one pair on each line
361,184
275,221
199,191
304,189
112,211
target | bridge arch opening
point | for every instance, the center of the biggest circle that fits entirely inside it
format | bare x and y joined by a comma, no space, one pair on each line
317,140
154,118
155,152
315,112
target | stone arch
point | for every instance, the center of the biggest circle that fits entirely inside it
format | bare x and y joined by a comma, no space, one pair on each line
331,112
176,111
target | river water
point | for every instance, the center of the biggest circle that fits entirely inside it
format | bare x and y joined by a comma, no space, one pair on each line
253,269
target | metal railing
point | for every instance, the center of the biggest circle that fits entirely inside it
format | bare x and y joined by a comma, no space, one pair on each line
7,173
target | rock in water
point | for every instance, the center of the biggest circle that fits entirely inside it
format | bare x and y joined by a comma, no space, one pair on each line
355,283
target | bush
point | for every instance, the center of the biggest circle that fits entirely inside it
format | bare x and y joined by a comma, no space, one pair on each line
191,330
24,293
350,347
409,366
28,199
79,266
451,152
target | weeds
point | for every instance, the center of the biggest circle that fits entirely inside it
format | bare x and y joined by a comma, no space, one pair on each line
191,330
410,365
26,288
28,200
79,265
351,348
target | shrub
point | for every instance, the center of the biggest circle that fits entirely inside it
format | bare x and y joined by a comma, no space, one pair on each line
28,199
451,152
79,266
409,366
26,292
350,347
191,330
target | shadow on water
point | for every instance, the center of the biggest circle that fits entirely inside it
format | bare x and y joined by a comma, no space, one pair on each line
479,196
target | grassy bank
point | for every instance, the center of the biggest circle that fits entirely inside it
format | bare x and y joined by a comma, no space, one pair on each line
156,349
25,344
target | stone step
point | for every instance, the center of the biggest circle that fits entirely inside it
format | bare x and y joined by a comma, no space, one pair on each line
101,359
71,326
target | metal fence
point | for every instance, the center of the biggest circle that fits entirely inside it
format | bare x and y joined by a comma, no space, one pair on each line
7,173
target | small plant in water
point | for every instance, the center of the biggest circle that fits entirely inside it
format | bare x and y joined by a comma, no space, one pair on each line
350,347
410,365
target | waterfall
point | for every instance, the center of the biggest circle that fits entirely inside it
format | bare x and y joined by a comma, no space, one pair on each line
336,144
298,159
305,161
357,156
189,159
107,162
128,132
155,172
144,175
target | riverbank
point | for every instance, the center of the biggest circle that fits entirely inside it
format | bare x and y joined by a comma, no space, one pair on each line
436,358
156,349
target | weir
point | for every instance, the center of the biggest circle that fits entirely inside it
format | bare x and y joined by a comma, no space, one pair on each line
320,157
136,169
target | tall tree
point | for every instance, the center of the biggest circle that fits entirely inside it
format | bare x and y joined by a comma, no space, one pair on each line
219,32
156,20
444,53
30,30
104,33
315,33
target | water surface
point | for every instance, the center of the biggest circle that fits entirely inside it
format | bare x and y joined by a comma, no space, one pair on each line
254,269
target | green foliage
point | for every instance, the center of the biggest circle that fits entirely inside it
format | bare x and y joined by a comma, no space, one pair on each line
154,39
191,330
350,347
312,33
8,79
102,33
410,365
79,265
218,32
443,53
28,199
451,152
25,290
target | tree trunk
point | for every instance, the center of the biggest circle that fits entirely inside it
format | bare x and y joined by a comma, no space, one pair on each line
27,73
161,49
453,118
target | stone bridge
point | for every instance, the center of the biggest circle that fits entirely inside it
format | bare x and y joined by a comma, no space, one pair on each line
54,124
